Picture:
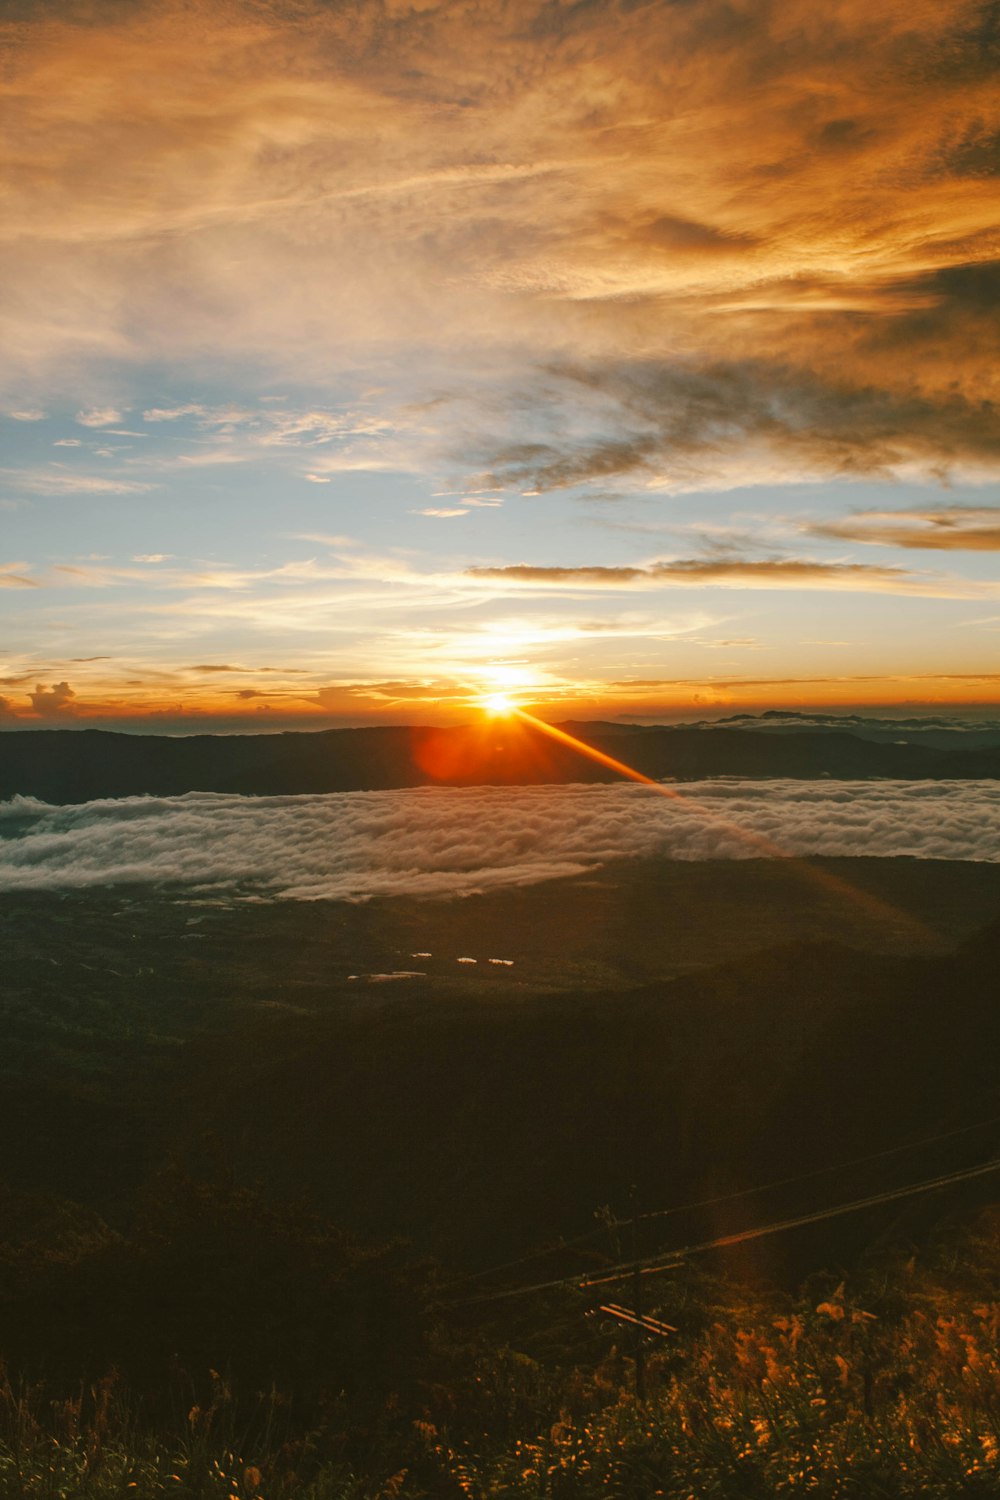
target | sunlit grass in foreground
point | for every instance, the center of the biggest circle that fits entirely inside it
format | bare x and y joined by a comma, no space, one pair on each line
893,1391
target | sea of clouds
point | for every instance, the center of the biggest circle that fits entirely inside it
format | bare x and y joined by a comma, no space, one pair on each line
449,842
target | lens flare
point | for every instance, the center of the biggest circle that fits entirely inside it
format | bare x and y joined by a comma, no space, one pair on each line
761,845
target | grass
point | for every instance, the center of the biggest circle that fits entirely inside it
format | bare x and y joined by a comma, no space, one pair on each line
95,1446
888,1391
826,1399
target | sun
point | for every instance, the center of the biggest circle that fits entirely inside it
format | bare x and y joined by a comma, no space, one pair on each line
498,705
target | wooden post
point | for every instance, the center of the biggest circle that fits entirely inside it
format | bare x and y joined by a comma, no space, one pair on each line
638,1345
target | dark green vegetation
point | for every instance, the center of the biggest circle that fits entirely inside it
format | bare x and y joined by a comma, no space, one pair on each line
223,1153
59,765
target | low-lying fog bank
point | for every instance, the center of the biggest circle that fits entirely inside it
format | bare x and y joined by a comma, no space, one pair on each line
454,841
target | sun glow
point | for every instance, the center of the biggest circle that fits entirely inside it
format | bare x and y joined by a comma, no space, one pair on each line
499,705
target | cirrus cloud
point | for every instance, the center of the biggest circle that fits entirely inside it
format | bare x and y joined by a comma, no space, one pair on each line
953,528
787,214
770,573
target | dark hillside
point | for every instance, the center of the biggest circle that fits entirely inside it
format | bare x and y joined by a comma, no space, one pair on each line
477,1129
65,766
473,1107
211,1127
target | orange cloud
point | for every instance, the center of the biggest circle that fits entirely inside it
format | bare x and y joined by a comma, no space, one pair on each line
55,702
953,528
780,573
792,200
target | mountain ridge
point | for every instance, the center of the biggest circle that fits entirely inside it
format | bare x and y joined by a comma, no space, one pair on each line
81,765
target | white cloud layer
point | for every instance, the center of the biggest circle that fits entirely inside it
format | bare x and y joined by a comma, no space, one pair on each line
452,842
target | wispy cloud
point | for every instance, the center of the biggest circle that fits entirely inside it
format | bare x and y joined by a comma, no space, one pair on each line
60,481
99,416
475,253
275,425
313,442
985,680
174,413
780,573
953,528
11,579
792,223
678,425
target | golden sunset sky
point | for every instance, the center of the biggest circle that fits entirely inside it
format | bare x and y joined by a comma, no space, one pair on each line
360,359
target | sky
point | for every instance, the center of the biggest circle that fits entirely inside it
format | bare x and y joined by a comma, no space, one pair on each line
639,360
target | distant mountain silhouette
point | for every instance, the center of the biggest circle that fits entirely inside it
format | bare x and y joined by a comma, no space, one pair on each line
67,766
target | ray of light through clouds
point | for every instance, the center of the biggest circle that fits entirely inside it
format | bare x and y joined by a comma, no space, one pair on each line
363,359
